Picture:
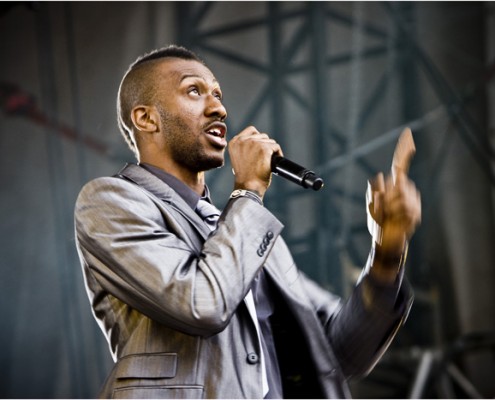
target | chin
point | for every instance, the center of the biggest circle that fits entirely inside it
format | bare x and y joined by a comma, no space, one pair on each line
218,164
211,163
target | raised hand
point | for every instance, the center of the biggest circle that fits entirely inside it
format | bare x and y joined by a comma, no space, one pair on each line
394,207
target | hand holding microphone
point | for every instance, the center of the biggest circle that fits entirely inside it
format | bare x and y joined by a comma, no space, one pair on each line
255,156
250,155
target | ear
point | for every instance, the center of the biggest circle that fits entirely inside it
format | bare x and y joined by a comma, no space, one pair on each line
145,118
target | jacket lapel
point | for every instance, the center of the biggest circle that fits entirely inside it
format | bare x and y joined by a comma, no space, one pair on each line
165,193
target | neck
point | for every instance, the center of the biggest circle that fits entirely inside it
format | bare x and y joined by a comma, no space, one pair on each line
195,180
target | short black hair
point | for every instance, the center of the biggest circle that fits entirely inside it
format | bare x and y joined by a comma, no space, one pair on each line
165,52
137,88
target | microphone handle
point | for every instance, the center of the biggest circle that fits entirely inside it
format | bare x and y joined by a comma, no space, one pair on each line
296,173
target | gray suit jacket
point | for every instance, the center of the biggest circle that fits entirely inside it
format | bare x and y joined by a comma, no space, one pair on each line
168,295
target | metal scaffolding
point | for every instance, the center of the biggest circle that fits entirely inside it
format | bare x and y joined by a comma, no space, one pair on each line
300,46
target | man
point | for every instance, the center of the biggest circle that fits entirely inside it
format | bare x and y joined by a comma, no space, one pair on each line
194,310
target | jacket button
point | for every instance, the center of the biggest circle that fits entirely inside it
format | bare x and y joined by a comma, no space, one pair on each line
252,358
270,235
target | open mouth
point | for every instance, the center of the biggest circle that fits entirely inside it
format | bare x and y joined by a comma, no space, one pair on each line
217,129
216,133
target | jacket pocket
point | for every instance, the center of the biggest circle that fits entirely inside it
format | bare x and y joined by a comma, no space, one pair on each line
142,366
159,392
142,376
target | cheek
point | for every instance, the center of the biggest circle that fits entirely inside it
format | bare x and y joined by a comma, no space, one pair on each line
192,118
192,109
187,114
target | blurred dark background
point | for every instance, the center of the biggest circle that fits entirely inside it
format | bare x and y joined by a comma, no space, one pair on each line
335,83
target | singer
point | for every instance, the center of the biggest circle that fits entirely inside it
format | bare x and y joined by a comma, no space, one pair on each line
201,303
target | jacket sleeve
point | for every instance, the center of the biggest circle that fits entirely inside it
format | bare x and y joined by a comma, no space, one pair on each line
361,328
130,249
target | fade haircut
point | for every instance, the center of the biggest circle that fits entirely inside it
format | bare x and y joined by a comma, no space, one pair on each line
138,84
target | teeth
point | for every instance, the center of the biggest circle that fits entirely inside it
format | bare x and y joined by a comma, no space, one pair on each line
215,132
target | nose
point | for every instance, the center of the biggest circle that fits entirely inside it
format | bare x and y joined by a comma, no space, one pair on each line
215,108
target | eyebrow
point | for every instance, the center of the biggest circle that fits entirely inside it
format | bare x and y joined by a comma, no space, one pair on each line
183,78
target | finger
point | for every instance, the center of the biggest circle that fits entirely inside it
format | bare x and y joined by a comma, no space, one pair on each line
404,151
400,191
261,137
378,183
264,139
401,181
379,190
255,136
405,204
277,150
389,185
378,198
249,131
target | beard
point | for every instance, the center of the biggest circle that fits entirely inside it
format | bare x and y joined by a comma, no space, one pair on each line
186,146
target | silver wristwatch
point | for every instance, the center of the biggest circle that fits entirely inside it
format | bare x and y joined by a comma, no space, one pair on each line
246,193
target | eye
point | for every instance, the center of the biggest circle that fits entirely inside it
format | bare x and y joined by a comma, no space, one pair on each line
218,95
193,90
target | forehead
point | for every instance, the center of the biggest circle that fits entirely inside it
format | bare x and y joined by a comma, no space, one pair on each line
176,70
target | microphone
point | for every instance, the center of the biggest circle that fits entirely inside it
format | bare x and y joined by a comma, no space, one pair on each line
293,172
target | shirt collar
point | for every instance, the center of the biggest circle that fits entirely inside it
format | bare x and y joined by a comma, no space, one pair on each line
184,191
